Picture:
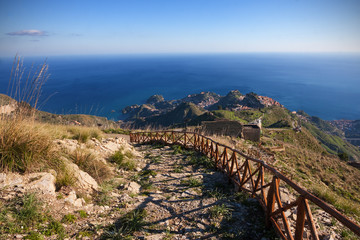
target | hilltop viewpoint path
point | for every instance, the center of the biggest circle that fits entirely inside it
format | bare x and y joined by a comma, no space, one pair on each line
176,195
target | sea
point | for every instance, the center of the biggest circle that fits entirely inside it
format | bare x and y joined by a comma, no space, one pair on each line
323,85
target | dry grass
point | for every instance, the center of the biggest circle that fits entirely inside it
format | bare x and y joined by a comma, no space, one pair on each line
24,147
80,133
88,163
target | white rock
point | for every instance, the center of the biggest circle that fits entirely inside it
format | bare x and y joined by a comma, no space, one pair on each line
10,180
154,237
79,202
133,187
71,198
44,183
83,179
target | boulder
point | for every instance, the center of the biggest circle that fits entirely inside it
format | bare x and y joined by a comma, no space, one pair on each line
83,179
42,183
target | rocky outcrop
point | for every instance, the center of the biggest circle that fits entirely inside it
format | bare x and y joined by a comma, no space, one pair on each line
42,183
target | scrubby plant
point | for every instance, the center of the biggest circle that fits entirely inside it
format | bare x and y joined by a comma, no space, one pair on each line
55,227
129,223
191,182
218,211
68,218
124,159
117,131
83,214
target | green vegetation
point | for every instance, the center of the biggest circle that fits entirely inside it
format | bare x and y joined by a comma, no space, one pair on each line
69,218
124,159
230,115
218,211
23,215
333,144
191,182
83,134
82,214
128,224
117,131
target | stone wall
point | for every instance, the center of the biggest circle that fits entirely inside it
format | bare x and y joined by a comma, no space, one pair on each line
222,127
232,128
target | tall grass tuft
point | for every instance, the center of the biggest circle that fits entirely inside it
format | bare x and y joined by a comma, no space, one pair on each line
88,163
22,147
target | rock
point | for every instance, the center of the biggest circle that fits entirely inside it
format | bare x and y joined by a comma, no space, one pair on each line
84,180
133,187
330,236
10,180
43,183
71,198
79,202
154,237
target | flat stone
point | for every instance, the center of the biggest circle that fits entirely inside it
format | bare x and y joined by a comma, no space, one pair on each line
44,183
133,187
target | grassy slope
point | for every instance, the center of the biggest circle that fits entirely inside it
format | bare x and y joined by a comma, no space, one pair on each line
85,120
272,115
306,161
333,144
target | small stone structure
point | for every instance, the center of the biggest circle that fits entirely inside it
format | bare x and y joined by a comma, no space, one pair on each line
251,132
222,127
232,128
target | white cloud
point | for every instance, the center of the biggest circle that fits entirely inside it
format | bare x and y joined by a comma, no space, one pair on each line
28,33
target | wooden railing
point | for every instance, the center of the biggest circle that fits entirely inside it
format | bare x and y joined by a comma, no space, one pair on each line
261,180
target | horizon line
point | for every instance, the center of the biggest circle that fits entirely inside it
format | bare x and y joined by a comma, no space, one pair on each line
182,53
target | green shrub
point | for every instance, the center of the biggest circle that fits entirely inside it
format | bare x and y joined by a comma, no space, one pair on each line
68,218
83,134
124,160
219,211
30,211
129,223
83,214
55,227
191,182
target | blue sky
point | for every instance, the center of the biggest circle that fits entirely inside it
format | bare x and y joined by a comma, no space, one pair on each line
46,28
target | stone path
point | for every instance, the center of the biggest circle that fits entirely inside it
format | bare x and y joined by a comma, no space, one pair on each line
181,199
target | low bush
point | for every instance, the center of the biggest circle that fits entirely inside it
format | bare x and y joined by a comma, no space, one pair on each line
129,223
124,159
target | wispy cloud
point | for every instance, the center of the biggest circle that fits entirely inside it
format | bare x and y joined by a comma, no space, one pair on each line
76,35
36,33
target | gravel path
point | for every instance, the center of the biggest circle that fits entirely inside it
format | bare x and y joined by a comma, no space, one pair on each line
181,199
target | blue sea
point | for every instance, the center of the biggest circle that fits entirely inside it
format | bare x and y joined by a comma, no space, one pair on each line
324,85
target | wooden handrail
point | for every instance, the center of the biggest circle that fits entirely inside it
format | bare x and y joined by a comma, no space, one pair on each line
253,181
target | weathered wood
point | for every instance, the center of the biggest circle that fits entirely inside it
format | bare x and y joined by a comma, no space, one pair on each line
300,219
